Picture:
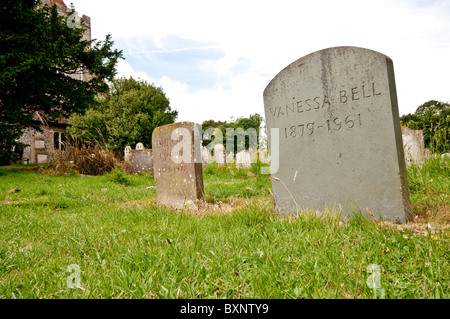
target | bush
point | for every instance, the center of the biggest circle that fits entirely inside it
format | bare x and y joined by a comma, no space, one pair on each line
84,159
116,176
433,117
126,115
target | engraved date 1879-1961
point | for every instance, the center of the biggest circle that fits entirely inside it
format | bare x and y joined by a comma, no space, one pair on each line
349,122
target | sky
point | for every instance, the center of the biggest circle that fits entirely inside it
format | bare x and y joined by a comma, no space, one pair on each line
213,59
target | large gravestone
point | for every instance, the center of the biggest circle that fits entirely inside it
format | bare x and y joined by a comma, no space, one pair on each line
340,143
177,165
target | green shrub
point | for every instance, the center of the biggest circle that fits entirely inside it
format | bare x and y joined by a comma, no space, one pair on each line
118,177
433,117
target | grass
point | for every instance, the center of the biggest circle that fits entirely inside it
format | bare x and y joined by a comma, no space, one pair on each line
430,190
125,246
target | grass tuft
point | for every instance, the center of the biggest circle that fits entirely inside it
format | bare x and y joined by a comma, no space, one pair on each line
125,246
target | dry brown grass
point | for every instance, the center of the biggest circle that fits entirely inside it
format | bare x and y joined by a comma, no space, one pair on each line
83,159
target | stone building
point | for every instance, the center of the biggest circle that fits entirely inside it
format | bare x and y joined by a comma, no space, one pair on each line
53,136
42,144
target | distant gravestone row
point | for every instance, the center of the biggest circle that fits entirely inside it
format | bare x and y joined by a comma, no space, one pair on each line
140,159
334,137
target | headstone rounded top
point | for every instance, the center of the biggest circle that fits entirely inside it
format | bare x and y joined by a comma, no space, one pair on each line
337,135
326,55
158,130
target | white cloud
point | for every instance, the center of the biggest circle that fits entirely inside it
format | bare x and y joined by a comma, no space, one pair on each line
124,69
268,35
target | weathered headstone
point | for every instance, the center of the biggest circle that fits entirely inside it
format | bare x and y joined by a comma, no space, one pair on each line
263,156
243,159
205,157
340,143
139,146
413,145
220,155
141,161
177,165
127,153
253,155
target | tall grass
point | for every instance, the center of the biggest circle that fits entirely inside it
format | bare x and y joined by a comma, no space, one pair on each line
125,246
82,158
429,187
439,137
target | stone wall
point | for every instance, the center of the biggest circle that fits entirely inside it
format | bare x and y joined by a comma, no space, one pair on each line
41,145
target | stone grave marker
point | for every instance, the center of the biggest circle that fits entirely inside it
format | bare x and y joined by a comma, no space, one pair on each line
205,157
177,165
263,156
220,156
253,155
138,160
413,145
340,143
127,153
243,159
141,161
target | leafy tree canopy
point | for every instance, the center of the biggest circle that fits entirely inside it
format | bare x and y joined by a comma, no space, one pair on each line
39,53
126,115
254,121
433,117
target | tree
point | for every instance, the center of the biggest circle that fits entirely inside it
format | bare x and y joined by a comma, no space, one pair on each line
433,117
38,54
126,115
210,128
252,122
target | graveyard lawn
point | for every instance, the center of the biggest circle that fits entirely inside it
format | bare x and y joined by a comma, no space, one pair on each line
105,237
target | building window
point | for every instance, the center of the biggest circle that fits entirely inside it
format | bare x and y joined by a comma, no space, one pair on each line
56,140
59,141
62,143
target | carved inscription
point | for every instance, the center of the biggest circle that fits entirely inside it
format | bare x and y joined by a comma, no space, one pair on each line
334,137
168,166
300,106
178,180
303,106
305,129
357,93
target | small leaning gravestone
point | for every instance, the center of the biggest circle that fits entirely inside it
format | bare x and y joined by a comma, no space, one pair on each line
177,165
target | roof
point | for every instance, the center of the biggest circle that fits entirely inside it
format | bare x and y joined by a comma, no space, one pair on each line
60,2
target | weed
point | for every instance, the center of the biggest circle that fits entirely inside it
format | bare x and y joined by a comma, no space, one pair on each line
118,177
